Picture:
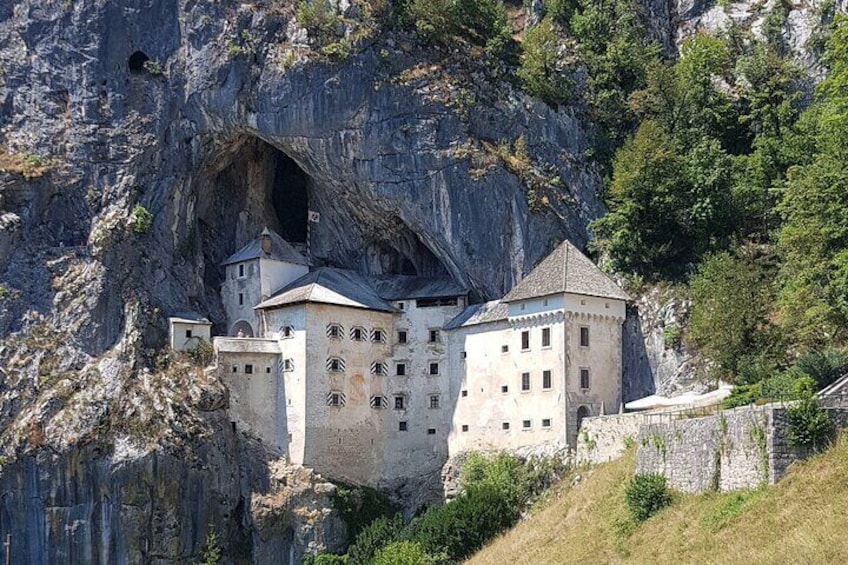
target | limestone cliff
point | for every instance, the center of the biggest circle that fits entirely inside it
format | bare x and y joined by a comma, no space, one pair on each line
219,118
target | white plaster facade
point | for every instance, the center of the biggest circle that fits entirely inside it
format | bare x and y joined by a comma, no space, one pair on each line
186,333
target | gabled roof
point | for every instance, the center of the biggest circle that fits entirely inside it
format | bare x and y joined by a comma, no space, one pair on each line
328,285
281,250
566,269
189,318
494,311
399,287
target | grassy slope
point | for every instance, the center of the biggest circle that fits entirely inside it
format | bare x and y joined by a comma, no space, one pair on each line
803,519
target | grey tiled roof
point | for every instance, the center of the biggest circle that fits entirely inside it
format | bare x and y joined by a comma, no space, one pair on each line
494,311
328,285
281,250
566,269
405,287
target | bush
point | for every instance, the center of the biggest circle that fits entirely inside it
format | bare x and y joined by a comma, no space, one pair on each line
646,495
482,22
318,18
743,395
140,220
377,535
324,559
809,424
539,72
360,505
202,354
823,366
404,553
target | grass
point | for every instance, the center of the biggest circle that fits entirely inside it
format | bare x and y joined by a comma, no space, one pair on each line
799,520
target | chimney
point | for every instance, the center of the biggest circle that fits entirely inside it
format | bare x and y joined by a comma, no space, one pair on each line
266,241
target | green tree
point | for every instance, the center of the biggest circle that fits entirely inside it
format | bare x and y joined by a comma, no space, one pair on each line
405,553
377,535
539,72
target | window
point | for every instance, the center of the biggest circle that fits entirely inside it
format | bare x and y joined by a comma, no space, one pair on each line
545,302
335,331
584,336
434,336
335,365
235,369
401,306
335,398
606,304
357,334
287,332
434,369
400,369
402,336
464,393
546,422
241,299
188,334
400,402
525,340
464,427
584,378
504,388
463,354
378,336
525,381
523,306
241,270
526,424
504,348
288,365
379,368
583,302
248,369
268,370
402,426
546,380
379,402
505,425
431,431
546,337
434,401
428,302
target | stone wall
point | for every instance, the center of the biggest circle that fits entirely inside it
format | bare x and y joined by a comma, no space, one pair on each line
604,438
740,448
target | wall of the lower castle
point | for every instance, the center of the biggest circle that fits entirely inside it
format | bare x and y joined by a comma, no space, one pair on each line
604,438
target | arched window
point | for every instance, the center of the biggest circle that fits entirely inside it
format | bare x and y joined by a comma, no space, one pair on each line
241,329
582,412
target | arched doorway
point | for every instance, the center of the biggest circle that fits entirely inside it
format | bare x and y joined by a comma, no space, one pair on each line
582,412
241,329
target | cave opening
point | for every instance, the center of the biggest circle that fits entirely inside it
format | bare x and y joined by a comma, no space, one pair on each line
290,197
137,61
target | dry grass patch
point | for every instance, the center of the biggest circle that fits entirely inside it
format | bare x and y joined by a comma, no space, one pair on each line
800,520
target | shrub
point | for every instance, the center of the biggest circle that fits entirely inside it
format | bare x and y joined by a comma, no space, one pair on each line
743,395
482,22
646,495
539,72
202,354
211,554
140,220
324,559
318,18
375,536
809,424
360,505
823,366
404,553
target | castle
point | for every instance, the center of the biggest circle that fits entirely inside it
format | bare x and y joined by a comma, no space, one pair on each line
377,380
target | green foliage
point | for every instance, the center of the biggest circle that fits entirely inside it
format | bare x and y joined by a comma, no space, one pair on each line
809,424
646,495
539,73
672,335
202,354
481,22
211,553
140,220
319,18
153,67
560,11
824,367
732,506
361,505
731,300
324,559
405,553
375,536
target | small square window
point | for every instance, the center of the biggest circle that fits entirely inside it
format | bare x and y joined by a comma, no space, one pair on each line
248,369
526,424
357,334
241,299
525,381
334,331
378,336
434,336
188,334
505,426
583,302
463,355
431,431
434,369
606,304
400,369
241,270
335,399
288,365
584,378
268,370
546,337
525,340
546,380
402,336
545,302
379,368
379,402
504,388
288,332
464,427
399,402
434,401
401,426
504,348
464,393
584,336
401,306
546,422
335,365
523,306
235,369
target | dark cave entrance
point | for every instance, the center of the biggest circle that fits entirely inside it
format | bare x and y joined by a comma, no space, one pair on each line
290,197
137,61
